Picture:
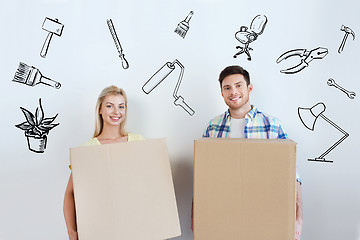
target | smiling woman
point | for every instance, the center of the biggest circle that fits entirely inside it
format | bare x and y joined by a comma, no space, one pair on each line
110,113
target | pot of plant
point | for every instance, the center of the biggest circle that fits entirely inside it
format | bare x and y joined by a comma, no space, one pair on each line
36,128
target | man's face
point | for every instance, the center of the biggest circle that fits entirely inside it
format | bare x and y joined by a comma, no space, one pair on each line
235,91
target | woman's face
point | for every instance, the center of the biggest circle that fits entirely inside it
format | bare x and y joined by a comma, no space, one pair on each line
112,110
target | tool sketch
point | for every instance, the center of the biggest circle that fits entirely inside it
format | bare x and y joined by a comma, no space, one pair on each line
124,62
305,56
37,128
184,26
31,76
331,82
309,116
160,75
53,27
245,36
347,31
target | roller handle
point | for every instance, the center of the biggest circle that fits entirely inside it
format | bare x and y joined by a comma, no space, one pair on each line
180,102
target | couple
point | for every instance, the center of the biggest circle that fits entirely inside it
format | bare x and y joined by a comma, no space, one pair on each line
241,120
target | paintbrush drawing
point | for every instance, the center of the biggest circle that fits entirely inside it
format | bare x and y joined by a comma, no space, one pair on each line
36,128
246,36
31,76
183,26
160,76
124,62
53,27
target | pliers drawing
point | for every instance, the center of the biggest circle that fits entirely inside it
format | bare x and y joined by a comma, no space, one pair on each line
306,57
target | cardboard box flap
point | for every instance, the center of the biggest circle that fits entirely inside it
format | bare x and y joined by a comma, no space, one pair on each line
124,191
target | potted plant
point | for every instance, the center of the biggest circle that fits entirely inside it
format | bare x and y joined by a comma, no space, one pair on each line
36,128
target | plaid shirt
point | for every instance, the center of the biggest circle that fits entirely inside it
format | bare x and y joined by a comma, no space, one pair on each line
258,125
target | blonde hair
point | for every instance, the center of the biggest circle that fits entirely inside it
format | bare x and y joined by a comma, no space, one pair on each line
111,90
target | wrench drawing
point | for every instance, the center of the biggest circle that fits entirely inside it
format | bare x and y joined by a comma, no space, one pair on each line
331,82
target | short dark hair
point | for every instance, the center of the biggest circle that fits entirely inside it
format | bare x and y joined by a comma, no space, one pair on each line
231,70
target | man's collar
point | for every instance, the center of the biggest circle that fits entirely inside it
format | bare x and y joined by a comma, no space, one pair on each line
251,114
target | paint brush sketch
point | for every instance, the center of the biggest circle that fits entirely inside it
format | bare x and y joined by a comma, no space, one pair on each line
347,31
52,26
31,76
309,116
305,56
246,36
124,62
36,128
160,76
183,26
331,82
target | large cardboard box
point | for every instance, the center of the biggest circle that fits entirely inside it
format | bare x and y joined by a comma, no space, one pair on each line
124,191
244,189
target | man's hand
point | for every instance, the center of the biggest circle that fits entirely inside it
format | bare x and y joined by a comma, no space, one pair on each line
298,228
73,236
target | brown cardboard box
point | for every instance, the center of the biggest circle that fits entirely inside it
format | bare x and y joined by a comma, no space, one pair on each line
124,191
244,189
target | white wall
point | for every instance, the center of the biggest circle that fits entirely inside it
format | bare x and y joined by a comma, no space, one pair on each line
84,59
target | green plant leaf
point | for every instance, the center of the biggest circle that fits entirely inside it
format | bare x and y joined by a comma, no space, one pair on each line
29,116
24,126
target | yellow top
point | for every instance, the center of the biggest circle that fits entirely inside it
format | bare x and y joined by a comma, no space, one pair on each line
132,137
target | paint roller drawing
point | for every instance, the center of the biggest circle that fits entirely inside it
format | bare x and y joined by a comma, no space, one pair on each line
160,75
31,76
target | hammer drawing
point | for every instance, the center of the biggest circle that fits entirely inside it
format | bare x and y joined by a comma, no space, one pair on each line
53,27
347,31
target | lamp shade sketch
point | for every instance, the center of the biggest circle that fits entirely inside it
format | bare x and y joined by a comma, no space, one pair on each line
32,76
183,26
331,82
348,31
248,35
306,56
36,128
160,76
309,117
124,62
52,26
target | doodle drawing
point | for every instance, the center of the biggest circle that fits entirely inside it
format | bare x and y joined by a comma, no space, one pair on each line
347,31
246,36
309,116
31,76
331,82
36,128
160,75
53,27
124,62
305,56
183,26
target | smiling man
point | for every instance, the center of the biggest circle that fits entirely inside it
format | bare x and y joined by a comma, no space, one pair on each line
243,120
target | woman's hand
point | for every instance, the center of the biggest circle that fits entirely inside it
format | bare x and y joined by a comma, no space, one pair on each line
73,236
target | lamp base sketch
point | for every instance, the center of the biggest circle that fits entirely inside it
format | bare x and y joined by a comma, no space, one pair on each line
160,76
319,160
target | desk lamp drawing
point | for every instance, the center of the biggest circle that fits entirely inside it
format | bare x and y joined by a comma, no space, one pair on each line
160,76
246,36
308,117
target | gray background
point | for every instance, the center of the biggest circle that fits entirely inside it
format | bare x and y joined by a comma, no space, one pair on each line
84,59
